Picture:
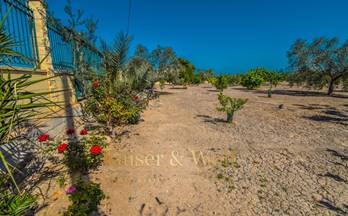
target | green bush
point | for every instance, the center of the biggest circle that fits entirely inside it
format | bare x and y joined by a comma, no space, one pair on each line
234,80
230,105
220,82
85,198
78,156
119,108
252,80
197,79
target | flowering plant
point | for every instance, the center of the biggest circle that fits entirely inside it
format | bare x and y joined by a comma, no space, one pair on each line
83,155
85,198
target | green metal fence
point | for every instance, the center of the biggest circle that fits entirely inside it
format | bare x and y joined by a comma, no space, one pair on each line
20,26
69,49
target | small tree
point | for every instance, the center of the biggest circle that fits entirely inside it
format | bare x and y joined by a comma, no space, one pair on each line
230,105
220,83
252,80
273,78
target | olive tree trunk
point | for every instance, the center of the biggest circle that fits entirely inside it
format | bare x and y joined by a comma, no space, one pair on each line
331,87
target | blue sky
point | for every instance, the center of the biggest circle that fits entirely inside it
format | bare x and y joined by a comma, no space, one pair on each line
229,36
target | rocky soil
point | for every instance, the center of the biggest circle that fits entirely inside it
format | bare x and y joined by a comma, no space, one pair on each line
183,159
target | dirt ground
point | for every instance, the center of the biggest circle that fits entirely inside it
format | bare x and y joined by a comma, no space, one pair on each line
183,159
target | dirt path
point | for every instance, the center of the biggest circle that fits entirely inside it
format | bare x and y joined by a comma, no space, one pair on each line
270,162
166,178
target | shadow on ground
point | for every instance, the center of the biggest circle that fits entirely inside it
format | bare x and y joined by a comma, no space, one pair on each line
160,93
326,203
293,92
327,114
209,119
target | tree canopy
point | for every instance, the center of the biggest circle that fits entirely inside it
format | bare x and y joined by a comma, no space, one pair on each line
324,61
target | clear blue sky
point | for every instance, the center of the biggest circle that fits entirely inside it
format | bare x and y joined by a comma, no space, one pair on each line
230,36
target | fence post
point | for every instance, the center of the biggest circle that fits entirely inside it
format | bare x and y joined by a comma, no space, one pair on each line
43,44
39,10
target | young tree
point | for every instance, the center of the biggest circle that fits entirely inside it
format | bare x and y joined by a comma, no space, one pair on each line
273,78
230,105
320,62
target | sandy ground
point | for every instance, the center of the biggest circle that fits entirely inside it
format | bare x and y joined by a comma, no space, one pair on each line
183,159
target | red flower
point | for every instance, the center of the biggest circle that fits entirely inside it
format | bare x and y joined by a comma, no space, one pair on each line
136,98
84,132
95,84
70,131
95,150
43,137
62,147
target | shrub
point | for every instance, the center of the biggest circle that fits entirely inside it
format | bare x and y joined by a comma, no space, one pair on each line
85,198
220,82
80,155
252,80
197,79
115,109
234,80
230,105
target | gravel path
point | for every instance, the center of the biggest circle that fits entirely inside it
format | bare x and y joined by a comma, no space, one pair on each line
271,161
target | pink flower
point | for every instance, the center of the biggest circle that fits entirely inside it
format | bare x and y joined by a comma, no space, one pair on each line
71,190
83,132
43,137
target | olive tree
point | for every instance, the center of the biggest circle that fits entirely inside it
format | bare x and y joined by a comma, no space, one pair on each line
322,62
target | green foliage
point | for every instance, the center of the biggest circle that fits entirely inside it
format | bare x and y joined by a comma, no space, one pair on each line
221,83
230,105
234,80
6,42
322,62
253,79
14,204
186,74
85,199
78,157
345,83
121,107
273,78
17,104
205,75
197,79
